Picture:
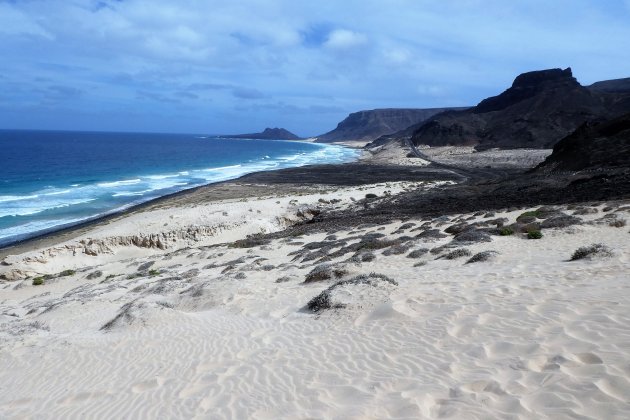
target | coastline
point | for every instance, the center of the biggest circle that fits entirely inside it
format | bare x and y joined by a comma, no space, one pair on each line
114,213
353,290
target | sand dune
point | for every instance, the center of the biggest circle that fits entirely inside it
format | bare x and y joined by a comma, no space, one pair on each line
213,331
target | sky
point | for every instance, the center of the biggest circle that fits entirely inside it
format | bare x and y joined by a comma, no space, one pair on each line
223,67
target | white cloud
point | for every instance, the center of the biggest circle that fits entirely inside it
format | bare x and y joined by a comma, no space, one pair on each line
15,22
343,39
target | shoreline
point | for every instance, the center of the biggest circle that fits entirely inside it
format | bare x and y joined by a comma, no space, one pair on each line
123,208
113,214
321,174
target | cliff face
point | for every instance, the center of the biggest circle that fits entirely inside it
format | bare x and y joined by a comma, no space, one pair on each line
369,125
594,145
538,110
268,134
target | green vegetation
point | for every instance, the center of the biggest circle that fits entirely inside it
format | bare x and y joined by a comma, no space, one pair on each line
533,213
506,231
534,234
38,281
154,272
66,273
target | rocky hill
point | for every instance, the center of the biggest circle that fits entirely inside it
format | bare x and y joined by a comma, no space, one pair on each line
539,109
612,86
593,146
369,125
268,134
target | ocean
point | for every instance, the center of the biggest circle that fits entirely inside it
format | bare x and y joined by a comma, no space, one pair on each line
54,179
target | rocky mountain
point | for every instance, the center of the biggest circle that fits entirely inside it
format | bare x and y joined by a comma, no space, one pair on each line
539,109
268,134
594,145
612,86
369,125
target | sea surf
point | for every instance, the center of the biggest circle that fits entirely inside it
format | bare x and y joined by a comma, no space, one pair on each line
53,179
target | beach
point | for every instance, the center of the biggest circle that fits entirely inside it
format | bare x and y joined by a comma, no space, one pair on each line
365,290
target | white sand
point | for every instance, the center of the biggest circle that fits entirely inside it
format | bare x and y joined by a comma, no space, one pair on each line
526,335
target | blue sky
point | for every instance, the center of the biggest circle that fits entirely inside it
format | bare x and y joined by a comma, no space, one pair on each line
240,66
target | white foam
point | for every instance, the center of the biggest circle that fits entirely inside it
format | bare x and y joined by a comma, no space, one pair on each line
8,198
119,183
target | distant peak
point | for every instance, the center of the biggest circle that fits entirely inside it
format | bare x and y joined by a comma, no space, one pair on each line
536,78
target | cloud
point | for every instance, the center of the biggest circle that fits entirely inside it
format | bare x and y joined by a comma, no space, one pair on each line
305,64
15,22
343,39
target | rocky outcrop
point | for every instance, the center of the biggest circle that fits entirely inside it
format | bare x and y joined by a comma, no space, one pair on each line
538,110
593,146
370,125
268,134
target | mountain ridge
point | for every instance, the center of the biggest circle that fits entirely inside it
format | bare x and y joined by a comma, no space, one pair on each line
539,109
368,125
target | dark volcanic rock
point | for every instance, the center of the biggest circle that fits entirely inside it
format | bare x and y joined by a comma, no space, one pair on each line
592,146
268,134
538,110
612,86
369,125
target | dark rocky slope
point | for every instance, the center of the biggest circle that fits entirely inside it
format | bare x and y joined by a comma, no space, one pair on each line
538,110
268,134
612,86
593,146
369,125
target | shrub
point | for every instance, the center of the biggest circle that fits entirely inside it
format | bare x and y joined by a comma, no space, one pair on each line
397,249
319,273
618,223
154,272
431,234
506,231
472,236
94,275
66,273
38,281
527,215
368,256
458,253
457,228
249,242
534,234
417,253
481,257
324,299
594,250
